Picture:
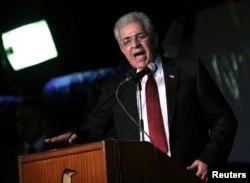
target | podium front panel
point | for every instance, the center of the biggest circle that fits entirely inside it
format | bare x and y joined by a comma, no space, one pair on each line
83,163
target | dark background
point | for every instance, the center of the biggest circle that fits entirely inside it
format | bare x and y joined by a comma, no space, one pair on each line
83,33
215,30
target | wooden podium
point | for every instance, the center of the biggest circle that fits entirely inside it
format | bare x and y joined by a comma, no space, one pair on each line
107,161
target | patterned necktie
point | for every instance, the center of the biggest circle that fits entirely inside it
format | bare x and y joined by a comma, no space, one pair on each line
155,120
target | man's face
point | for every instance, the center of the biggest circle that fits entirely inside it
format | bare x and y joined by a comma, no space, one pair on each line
136,45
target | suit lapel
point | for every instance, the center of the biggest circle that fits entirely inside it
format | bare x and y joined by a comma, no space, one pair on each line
171,80
131,100
130,103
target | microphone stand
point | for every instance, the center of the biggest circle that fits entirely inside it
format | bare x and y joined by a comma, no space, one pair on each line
139,104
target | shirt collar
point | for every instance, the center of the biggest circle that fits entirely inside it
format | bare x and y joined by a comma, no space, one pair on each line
158,63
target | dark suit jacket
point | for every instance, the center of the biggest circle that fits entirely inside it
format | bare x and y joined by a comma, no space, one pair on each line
202,124
9,163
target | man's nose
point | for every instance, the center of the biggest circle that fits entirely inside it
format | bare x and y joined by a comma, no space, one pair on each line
134,42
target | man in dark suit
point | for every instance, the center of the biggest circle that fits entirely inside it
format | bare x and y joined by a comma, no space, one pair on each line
199,124
32,129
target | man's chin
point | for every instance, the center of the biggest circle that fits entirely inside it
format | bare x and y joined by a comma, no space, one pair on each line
141,64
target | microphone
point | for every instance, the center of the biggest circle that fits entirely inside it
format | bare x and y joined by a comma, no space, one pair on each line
151,67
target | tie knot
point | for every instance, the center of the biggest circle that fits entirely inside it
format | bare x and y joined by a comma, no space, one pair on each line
150,75
151,82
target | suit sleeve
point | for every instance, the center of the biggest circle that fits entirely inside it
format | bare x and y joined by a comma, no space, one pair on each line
221,119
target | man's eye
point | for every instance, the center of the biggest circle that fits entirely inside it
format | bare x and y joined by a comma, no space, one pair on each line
127,40
141,35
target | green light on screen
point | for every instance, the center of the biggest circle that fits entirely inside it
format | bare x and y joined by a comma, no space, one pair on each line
29,45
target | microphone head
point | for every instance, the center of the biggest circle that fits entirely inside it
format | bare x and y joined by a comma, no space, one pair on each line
152,67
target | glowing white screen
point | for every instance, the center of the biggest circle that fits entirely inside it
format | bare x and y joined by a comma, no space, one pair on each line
29,45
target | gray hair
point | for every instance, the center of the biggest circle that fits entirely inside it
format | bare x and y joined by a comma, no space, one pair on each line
133,17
